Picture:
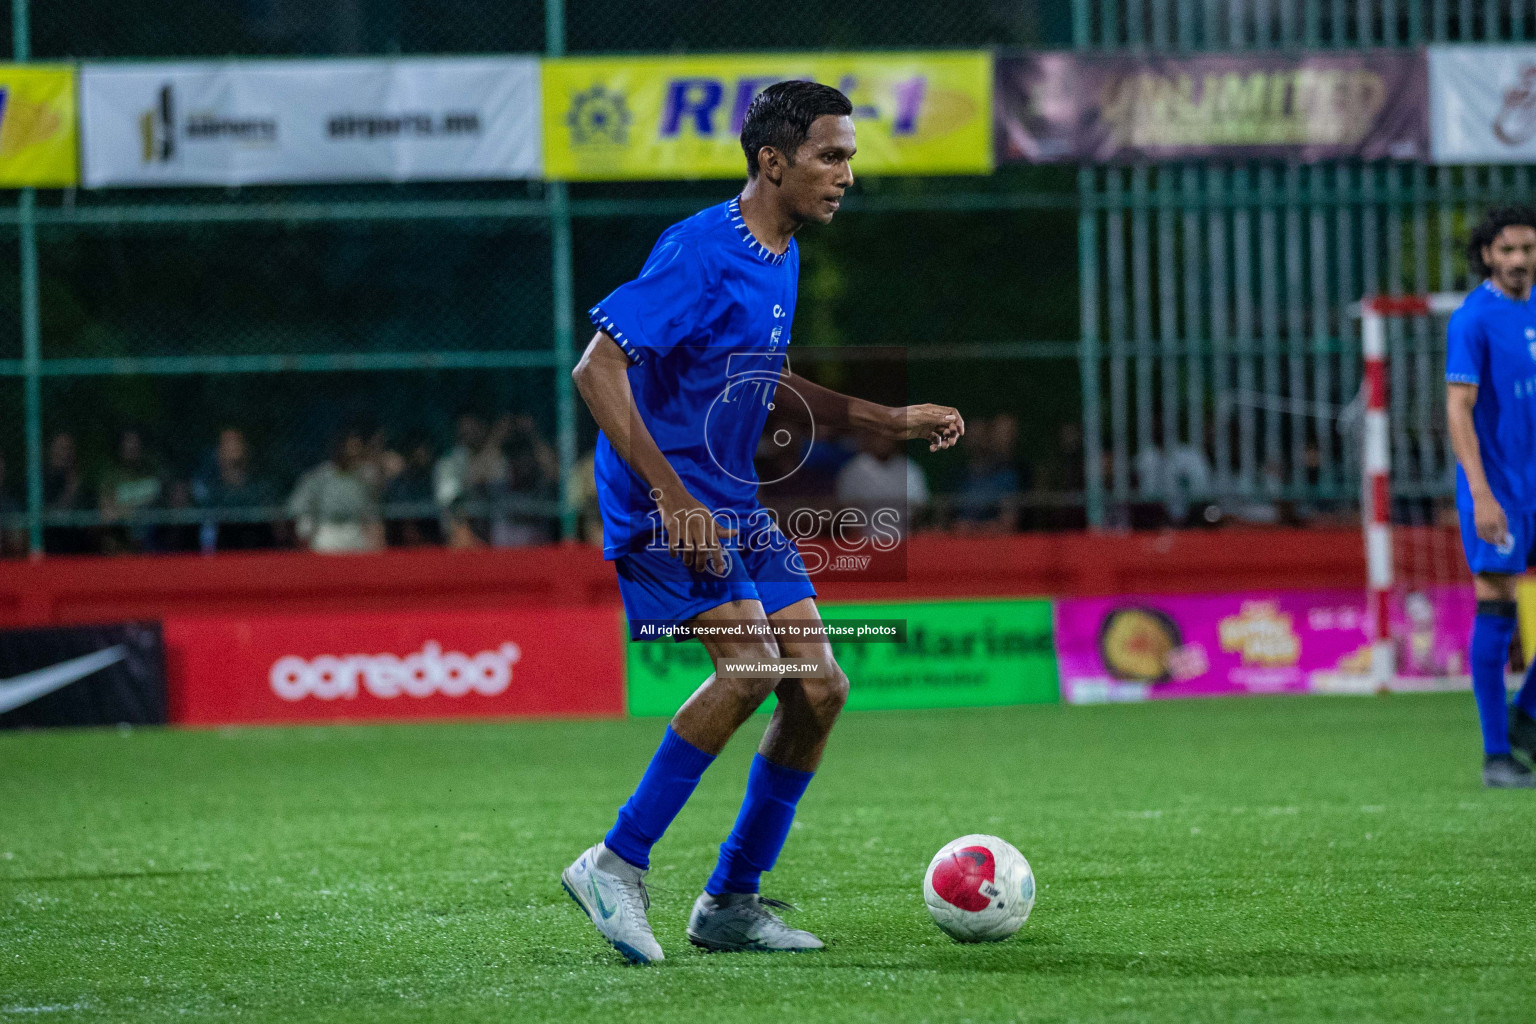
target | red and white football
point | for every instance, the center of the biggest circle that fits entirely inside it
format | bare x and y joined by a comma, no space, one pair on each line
979,889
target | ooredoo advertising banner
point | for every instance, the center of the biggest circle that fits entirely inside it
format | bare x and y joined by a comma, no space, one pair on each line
1482,105
395,665
956,654
1096,108
1200,645
253,122
37,126
609,118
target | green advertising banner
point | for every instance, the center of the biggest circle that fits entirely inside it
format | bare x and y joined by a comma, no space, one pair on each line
957,654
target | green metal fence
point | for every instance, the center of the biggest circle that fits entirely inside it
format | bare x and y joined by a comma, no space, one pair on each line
290,310
1215,296
1190,301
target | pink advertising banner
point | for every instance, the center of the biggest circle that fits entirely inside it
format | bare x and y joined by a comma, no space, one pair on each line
1202,645
1306,106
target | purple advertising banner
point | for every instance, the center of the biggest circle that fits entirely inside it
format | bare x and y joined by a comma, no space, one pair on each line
1082,108
1203,645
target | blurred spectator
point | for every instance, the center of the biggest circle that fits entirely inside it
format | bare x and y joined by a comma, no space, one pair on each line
229,485
1005,430
1330,511
520,471
816,463
183,534
412,486
798,468
582,496
13,533
381,465
988,498
1062,478
1266,507
883,477
130,484
452,486
1179,479
333,507
64,491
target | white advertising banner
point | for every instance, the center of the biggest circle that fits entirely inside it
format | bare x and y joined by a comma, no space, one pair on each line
1482,104
289,121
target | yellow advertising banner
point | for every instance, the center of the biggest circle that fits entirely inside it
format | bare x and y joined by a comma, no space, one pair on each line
37,126
1525,594
612,118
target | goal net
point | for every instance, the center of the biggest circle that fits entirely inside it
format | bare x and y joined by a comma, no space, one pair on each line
1421,603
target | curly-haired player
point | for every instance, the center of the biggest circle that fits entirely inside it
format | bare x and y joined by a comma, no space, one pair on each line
1490,378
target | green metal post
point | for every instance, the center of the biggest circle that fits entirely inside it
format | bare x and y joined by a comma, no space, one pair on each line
31,329
32,369
1082,24
562,272
1088,290
565,398
1088,355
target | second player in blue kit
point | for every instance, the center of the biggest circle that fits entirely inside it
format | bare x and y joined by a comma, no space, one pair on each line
686,365
1491,410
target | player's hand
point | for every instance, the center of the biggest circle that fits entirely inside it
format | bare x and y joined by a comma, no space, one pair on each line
940,425
1492,526
694,535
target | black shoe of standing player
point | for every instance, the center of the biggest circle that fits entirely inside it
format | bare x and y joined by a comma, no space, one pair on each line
1522,732
1502,771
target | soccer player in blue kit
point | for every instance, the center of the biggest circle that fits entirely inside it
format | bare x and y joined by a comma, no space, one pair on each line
680,376
1490,378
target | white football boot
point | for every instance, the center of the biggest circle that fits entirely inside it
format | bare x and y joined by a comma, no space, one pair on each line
739,922
612,892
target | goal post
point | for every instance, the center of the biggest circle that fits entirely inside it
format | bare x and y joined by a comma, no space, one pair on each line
1419,591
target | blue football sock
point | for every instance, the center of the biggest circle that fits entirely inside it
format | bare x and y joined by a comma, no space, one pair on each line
1525,700
667,784
761,827
1491,632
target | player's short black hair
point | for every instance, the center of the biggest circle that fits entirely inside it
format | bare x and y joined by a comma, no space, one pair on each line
1494,221
781,116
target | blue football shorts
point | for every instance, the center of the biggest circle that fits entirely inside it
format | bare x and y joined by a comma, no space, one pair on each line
765,566
1510,557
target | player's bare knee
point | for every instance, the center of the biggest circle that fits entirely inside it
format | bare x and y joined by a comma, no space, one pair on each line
739,668
828,693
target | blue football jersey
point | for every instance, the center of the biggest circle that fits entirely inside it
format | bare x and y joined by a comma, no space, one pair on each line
1491,342
705,326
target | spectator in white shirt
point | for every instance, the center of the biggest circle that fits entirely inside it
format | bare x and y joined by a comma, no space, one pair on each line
333,507
881,477
1180,478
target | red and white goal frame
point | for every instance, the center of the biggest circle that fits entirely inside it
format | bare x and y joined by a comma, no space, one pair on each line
1376,505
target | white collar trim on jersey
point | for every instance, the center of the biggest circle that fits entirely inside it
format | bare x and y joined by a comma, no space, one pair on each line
1488,283
733,210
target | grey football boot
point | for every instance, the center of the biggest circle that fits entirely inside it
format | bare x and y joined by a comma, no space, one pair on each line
741,922
612,892
1502,771
1522,731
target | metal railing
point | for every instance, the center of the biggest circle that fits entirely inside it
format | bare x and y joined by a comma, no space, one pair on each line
1210,296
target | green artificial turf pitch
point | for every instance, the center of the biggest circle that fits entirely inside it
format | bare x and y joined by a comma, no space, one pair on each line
1262,859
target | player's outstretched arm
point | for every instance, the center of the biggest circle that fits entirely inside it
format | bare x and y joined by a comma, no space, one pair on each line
1492,526
602,378
940,425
